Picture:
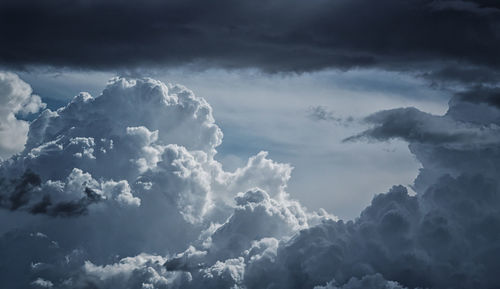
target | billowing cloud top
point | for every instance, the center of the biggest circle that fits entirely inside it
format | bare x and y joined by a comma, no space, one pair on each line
122,191
16,98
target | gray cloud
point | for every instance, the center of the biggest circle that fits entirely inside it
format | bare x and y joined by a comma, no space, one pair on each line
270,35
444,75
322,113
20,190
67,209
26,193
415,126
481,94
443,237
424,241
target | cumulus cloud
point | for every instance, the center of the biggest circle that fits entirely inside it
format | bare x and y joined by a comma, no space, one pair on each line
130,173
220,257
442,237
154,209
16,98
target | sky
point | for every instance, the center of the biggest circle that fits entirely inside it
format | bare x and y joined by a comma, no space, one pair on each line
249,144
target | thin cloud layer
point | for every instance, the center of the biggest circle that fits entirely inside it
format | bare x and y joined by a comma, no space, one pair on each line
446,39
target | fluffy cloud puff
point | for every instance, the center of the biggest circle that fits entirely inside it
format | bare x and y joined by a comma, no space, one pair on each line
16,98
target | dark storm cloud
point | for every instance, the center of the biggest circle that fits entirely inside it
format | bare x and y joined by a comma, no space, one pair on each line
274,35
480,94
462,75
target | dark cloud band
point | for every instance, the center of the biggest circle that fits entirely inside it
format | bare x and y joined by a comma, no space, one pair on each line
270,35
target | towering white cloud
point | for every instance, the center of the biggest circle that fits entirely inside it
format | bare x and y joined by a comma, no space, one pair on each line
16,98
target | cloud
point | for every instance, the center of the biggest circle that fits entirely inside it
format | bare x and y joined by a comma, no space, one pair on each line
273,36
322,113
16,98
415,126
481,94
131,172
467,6
41,283
169,216
416,240
142,271
445,75
375,281
423,241
250,234
442,237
